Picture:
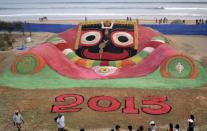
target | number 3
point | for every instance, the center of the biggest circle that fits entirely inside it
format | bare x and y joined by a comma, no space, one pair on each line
158,101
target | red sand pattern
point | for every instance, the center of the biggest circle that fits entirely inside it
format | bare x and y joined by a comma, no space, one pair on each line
58,62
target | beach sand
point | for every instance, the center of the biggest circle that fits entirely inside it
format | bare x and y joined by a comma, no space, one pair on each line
141,21
36,104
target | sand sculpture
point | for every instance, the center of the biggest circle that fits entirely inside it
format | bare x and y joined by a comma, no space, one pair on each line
107,50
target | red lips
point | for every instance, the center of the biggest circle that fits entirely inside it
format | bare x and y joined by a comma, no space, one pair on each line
106,55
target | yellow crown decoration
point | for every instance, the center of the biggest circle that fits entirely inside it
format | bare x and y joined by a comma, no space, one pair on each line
120,22
90,22
107,24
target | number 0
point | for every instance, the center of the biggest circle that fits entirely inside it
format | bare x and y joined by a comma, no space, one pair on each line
93,103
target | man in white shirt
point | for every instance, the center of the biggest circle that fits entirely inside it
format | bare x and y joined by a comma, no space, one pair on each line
18,120
152,126
191,123
60,120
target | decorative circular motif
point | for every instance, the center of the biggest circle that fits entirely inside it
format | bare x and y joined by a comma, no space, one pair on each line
121,38
27,63
91,38
179,66
104,70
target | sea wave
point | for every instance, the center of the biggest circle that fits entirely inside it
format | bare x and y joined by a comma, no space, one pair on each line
175,8
79,7
111,8
101,2
103,14
108,8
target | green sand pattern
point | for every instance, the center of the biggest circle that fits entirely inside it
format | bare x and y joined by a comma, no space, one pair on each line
185,73
27,61
49,79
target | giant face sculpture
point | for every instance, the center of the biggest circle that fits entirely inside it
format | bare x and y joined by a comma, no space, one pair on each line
107,49
107,42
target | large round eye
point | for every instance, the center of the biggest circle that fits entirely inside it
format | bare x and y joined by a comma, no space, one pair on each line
122,39
90,38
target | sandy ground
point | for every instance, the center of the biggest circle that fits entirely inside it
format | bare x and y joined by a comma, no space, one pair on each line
6,57
141,21
37,38
35,105
195,46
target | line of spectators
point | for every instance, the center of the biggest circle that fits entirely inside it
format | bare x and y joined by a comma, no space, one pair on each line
129,18
201,21
60,122
153,126
162,20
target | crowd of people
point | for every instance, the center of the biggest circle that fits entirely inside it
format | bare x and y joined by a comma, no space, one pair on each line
165,21
44,18
60,122
162,20
153,126
201,21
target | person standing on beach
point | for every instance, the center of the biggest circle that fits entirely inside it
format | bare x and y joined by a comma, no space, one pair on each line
191,123
177,127
170,127
152,126
156,20
60,120
117,128
17,120
141,128
130,128
86,19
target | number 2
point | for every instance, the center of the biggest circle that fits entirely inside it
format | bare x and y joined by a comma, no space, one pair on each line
69,107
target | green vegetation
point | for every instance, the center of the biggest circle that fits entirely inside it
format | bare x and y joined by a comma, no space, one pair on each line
6,41
6,38
11,26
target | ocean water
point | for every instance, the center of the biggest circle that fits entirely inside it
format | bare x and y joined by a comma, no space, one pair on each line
106,9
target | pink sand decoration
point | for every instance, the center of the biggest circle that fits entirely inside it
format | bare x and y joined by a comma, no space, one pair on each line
108,49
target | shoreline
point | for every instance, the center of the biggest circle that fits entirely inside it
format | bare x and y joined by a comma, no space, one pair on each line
93,16
62,19
71,21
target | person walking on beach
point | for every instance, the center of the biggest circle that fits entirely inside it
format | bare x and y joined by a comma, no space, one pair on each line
17,120
60,120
